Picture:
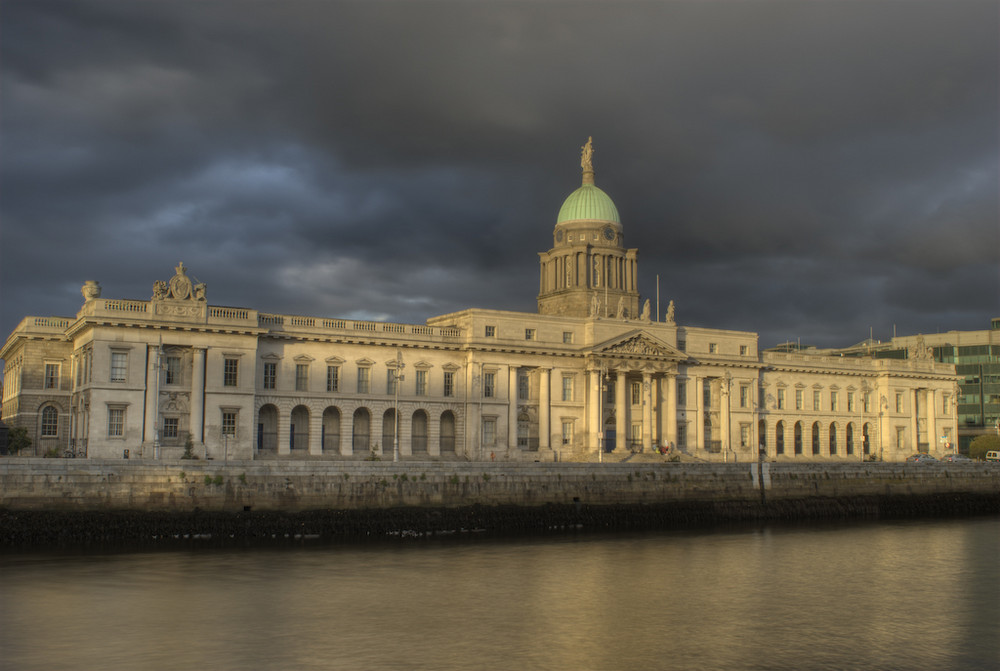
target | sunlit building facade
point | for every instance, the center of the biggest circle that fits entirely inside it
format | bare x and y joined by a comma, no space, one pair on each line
595,373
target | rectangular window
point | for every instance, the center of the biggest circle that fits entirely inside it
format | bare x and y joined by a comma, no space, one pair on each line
636,393
421,383
817,400
681,393
171,427
489,380
173,370
51,376
744,396
744,350
529,334
899,437
270,375
119,366
798,399
713,348
899,401
567,432
333,378
301,377
116,422
781,399
850,401
390,381
449,383
489,431
834,402
866,401
522,387
364,380
945,399
491,331
567,337
228,423
230,372
567,388
744,435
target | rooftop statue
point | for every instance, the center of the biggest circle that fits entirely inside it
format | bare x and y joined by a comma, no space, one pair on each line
587,155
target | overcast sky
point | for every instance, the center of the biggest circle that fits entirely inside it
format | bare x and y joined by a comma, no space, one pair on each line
803,169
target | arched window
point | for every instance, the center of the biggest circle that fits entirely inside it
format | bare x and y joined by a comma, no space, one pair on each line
779,438
389,431
50,422
850,438
361,431
331,430
833,439
815,438
299,439
447,432
798,437
418,432
267,428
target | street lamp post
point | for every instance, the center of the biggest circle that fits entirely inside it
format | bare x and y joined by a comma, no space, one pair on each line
397,375
600,411
861,417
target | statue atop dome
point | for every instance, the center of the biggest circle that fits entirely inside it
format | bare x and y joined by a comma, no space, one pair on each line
587,155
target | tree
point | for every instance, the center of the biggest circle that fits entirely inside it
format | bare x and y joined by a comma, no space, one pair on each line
983,444
17,439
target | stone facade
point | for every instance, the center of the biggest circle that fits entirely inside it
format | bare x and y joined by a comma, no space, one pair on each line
593,375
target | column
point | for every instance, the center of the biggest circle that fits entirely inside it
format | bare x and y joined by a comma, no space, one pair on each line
198,397
914,427
932,436
647,411
670,408
699,412
621,423
594,402
512,408
152,397
544,409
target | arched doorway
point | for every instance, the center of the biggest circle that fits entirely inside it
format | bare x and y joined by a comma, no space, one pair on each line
447,436
267,428
418,432
361,431
299,433
331,430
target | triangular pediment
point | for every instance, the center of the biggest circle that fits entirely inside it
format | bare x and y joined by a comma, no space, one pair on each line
641,345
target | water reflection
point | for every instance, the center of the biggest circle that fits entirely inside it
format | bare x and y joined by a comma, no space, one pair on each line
914,595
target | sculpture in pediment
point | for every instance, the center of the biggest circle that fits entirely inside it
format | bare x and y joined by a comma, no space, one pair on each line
640,345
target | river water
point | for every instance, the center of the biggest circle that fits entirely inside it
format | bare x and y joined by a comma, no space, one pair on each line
890,595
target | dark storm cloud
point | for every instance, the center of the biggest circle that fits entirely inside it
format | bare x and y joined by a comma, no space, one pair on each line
802,169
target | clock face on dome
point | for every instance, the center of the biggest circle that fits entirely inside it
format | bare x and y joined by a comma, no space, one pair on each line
609,233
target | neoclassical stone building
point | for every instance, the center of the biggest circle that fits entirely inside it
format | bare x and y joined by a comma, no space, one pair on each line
593,374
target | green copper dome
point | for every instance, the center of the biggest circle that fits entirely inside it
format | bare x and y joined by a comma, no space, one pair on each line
588,202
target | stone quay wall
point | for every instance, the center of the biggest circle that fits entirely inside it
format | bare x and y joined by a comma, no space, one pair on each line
183,486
